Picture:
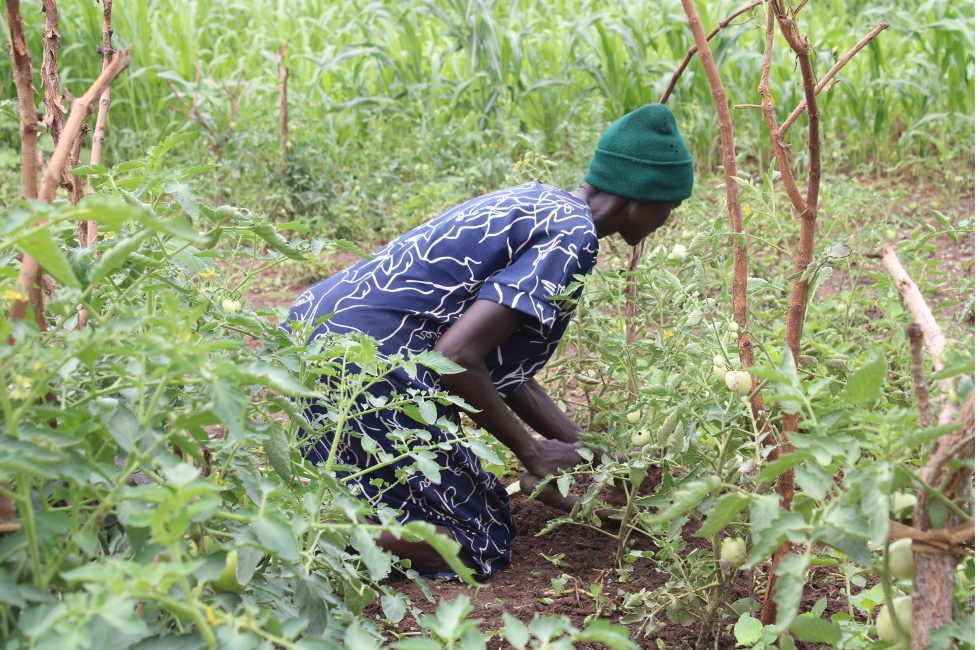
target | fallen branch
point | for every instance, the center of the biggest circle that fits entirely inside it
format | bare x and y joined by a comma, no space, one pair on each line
781,148
933,566
744,340
797,303
935,558
87,230
940,540
933,335
98,139
81,108
23,74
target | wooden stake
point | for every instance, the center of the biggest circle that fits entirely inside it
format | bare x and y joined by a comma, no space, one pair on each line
283,106
80,110
23,72
54,109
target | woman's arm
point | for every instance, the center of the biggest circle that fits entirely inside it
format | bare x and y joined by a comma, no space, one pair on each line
479,331
538,410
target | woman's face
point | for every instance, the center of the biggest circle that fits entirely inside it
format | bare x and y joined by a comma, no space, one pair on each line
641,218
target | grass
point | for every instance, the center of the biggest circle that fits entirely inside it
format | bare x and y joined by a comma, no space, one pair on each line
380,89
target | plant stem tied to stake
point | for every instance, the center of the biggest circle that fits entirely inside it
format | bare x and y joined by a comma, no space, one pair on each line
933,573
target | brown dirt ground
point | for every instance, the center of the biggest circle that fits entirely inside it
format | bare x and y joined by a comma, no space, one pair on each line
589,555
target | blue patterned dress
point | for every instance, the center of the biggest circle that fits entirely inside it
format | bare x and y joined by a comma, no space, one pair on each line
516,247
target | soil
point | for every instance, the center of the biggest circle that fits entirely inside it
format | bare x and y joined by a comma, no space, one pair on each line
588,558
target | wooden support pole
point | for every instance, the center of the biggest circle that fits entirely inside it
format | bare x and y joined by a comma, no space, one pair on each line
80,110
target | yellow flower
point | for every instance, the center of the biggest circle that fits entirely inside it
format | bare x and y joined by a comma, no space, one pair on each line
208,272
518,163
746,209
669,335
21,388
10,294
19,393
212,618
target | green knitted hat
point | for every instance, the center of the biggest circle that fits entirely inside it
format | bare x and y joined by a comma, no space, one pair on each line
643,157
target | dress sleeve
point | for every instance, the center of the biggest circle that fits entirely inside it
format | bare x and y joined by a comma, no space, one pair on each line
545,258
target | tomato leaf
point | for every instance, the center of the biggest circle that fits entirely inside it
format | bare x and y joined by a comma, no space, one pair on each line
815,630
268,233
40,245
865,384
278,451
792,574
686,498
186,195
277,538
723,511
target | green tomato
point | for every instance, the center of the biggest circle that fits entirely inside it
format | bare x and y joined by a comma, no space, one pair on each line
719,373
904,612
641,438
678,252
965,574
231,306
587,383
901,559
733,327
733,551
902,501
952,397
739,382
634,416
719,361
228,577
890,234
688,233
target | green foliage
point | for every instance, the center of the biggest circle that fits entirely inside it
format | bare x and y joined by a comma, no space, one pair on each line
421,100
860,440
153,458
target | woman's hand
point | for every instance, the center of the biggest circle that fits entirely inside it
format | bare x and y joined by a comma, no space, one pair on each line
550,456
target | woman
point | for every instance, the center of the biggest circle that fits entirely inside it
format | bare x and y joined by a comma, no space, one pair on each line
475,284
